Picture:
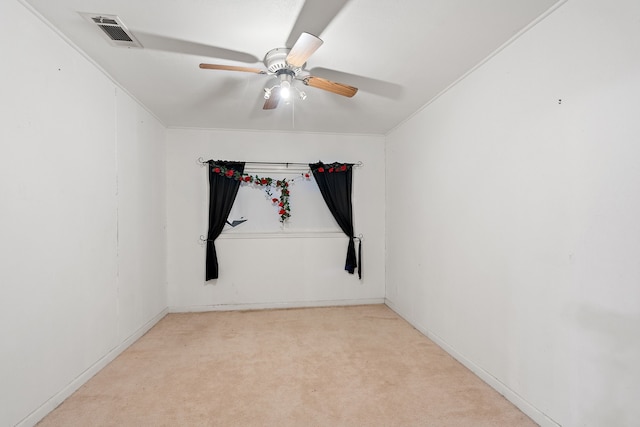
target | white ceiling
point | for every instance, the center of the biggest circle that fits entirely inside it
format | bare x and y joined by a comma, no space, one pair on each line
399,53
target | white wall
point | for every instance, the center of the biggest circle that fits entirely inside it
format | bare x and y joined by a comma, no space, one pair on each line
524,256
142,252
276,271
82,244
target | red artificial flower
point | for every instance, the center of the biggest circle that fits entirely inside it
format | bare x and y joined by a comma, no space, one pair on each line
216,170
247,178
263,181
281,204
320,170
274,200
306,175
229,172
282,212
343,168
330,170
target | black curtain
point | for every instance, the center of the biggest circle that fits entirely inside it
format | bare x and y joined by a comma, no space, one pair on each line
335,182
222,193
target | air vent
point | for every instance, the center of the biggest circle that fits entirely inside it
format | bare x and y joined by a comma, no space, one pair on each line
113,29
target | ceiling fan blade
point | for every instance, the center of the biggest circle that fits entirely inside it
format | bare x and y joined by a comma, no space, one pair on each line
273,100
167,44
328,85
314,17
232,68
303,49
366,84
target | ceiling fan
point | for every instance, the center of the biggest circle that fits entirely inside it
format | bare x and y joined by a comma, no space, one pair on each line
288,65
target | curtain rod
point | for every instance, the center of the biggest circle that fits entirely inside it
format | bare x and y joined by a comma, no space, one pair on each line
287,164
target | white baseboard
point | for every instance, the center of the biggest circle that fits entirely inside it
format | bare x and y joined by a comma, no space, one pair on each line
531,411
273,305
48,406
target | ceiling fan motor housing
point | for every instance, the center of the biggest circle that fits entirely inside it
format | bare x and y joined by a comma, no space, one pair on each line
276,62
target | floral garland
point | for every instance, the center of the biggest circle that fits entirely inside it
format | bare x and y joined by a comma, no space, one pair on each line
268,183
282,185
335,167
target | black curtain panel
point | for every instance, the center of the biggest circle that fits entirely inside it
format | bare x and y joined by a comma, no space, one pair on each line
223,189
335,182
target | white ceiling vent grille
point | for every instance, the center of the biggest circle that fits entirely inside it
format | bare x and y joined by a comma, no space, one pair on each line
113,29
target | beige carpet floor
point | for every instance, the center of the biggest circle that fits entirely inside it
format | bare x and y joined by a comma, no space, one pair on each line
337,366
